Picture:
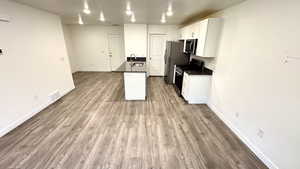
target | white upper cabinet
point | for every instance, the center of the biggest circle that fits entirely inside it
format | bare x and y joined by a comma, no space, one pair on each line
194,31
208,40
203,27
207,32
185,32
189,32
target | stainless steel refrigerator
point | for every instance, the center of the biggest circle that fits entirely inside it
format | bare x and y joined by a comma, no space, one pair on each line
174,56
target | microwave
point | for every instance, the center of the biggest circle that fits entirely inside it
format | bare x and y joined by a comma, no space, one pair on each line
190,46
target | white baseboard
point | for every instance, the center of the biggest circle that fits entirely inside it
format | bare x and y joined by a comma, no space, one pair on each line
35,111
266,160
198,101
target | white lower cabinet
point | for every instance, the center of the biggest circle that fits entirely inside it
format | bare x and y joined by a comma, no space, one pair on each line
135,86
195,88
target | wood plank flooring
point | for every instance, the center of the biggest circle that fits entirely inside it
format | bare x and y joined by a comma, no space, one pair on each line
93,127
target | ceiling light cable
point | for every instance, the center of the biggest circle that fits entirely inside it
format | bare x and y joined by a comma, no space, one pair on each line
102,18
80,22
170,10
128,9
132,18
163,18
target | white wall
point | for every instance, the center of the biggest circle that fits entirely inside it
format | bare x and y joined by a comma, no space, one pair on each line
252,80
90,46
135,37
172,31
34,65
70,50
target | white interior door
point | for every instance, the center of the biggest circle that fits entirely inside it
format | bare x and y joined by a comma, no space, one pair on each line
157,52
114,51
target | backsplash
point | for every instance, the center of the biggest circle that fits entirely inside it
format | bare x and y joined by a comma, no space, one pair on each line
209,62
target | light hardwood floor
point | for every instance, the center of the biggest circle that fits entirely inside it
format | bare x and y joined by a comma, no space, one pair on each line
93,127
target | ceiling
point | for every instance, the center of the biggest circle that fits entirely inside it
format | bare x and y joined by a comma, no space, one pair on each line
146,11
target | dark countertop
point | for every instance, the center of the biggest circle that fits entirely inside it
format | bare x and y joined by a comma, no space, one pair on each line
126,67
205,71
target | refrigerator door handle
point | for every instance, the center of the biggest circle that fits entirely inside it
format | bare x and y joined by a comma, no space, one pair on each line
166,56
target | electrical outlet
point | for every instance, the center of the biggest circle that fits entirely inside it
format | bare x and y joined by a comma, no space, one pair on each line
237,115
5,18
260,133
36,97
55,96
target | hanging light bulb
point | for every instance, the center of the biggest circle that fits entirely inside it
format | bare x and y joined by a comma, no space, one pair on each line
80,22
163,18
102,18
170,11
132,18
86,8
128,9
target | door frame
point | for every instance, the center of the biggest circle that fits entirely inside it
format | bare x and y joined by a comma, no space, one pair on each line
149,47
109,48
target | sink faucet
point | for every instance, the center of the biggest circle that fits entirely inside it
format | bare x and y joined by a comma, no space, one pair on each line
132,57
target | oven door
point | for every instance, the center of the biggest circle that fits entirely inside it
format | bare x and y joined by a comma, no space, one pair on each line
178,81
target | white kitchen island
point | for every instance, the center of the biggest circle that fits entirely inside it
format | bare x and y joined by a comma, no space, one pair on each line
135,79
135,85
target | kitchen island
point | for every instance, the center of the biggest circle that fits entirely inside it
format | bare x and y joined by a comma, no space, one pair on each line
135,78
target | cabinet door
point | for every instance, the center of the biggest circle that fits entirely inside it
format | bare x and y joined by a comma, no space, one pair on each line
189,31
196,30
198,89
135,86
212,37
182,33
202,37
185,86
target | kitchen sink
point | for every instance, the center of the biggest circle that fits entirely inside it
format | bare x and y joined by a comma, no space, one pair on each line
137,64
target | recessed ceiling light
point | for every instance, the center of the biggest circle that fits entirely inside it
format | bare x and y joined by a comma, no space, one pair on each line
102,18
128,12
80,22
128,9
86,8
132,18
170,11
163,18
87,11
